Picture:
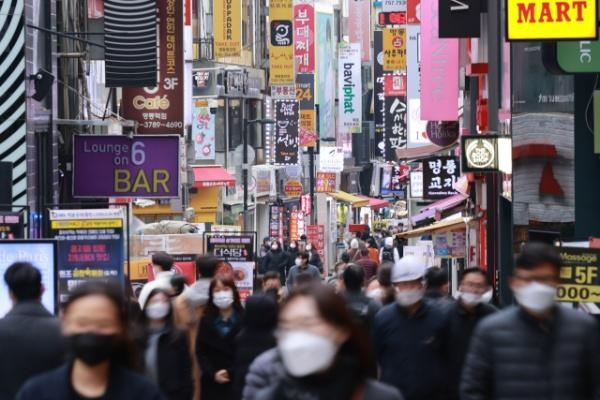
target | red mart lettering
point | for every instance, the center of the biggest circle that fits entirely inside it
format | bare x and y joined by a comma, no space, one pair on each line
560,11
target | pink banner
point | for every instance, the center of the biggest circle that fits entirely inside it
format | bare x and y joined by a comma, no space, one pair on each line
439,69
304,36
359,23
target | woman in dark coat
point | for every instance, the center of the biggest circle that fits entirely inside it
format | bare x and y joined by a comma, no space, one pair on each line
215,343
164,348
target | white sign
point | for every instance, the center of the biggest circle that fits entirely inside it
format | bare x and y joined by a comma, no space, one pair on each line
413,61
331,159
417,128
416,185
96,213
394,5
349,88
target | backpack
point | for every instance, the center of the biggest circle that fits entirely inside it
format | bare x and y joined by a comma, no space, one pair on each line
387,253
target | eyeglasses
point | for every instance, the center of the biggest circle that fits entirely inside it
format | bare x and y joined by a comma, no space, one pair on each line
549,279
477,286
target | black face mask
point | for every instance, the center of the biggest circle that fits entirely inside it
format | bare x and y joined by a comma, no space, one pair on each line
92,348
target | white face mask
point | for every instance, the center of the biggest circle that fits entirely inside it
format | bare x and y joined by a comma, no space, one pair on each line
376,294
223,299
157,310
298,262
274,247
470,299
197,294
406,298
536,296
304,353
487,296
292,246
308,248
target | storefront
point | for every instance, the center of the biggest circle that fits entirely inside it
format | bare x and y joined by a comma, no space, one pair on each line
207,191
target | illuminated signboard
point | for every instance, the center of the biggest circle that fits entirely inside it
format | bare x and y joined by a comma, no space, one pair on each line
551,19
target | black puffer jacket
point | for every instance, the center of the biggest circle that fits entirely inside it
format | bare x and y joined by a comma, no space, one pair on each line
275,260
514,357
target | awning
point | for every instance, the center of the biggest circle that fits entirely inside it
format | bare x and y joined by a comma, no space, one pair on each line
354,201
441,206
454,224
211,176
376,204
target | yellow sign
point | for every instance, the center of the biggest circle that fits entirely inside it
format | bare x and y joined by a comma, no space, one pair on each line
578,293
227,28
281,43
551,19
138,270
394,49
86,224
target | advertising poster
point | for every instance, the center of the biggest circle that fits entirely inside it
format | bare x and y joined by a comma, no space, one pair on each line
450,244
326,182
90,246
304,36
379,94
286,132
275,222
203,131
281,49
393,5
297,227
439,69
331,159
325,72
11,226
40,253
183,264
123,166
305,95
439,176
159,110
238,251
359,21
227,28
580,277
394,49
395,115
315,234
349,88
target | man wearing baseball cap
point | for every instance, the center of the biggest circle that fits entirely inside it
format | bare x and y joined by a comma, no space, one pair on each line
408,336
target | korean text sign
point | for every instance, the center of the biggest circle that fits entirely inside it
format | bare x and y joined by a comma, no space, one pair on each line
281,49
439,176
120,166
286,132
227,22
304,36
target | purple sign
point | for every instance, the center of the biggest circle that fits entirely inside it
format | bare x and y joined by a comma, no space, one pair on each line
120,166
442,133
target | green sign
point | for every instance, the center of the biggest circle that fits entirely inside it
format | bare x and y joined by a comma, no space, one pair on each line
579,56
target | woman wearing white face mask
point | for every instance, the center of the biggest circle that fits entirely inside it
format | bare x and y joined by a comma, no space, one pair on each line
165,352
215,343
320,354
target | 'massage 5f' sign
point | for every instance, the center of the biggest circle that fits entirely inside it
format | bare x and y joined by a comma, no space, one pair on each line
120,166
551,19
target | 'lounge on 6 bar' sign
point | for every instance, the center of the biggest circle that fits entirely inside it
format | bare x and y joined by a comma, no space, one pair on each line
120,166
439,176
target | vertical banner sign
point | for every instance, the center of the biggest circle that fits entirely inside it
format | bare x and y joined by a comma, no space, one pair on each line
349,88
159,110
326,182
286,132
304,36
439,176
90,246
281,49
305,95
359,22
439,69
237,251
394,5
413,12
315,234
379,94
417,135
203,131
395,115
394,49
325,71
227,28
274,222
460,18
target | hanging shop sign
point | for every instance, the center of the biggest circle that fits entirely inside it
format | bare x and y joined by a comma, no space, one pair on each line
315,234
486,153
395,115
275,222
413,61
579,276
281,48
305,95
331,159
297,225
304,36
326,182
394,49
120,166
439,69
292,188
203,131
326,50
551,19
204,83
286,132
416,184
90,246
439,176
460,18
227,23
442,133
413,12
349,88
379,94
359,19
159,110
578,56
394,5
11,226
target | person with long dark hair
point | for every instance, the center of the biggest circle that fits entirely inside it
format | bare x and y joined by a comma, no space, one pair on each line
103,355
166,355
321,354
215,343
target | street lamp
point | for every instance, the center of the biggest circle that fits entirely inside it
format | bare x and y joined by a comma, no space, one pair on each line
247,123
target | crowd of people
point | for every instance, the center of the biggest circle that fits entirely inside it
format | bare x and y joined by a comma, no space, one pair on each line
382,327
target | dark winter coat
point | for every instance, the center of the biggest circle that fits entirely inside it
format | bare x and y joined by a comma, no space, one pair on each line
362,308
369,266
512,356
410,350
56,384
30,343
461,324
275,260
214,353
174,366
